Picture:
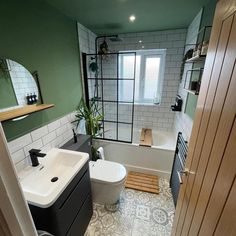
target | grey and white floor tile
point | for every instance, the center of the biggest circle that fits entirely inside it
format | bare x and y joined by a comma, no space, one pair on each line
138,213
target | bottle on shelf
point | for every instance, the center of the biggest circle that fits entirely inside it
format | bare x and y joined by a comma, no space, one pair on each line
204,48
74,136
27,99
34,98
30,99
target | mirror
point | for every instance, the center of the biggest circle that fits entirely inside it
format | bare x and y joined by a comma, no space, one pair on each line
17,86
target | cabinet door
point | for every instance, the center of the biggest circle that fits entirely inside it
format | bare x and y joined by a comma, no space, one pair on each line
198,211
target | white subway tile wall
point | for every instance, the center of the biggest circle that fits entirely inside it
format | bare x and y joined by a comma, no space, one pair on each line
55,134
157,117
23,82
86,45
183,122
86,39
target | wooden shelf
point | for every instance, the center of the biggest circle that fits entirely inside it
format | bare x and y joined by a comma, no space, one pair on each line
191,91
196,59
26,110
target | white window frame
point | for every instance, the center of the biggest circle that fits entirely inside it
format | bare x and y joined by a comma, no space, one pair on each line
144,55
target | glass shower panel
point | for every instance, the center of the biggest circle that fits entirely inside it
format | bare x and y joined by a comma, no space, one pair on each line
126,91
125,113
110,90
126,66
110,111
110,130
125,132
109,80
95,89
109,66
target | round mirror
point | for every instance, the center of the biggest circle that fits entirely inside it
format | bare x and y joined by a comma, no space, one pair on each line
17,85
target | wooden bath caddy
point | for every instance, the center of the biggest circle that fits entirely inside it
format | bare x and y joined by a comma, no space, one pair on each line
146,138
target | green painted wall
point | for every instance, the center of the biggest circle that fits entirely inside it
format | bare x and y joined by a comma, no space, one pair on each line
208,13
7,94
39,37
191,105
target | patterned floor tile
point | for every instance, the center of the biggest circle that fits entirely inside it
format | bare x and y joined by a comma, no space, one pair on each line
138,213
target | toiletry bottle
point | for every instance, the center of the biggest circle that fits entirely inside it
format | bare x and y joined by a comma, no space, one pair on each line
27,99
30,99
74,136
204,48
34,98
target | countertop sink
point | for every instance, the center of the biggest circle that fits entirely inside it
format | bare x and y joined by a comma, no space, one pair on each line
42,185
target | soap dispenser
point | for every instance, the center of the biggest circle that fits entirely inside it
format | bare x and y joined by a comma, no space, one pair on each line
74,136
178,104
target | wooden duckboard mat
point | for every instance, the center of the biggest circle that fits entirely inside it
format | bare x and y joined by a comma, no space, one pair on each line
142,182
146,138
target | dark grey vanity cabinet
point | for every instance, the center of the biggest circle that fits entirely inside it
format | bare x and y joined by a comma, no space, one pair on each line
83,144
72,211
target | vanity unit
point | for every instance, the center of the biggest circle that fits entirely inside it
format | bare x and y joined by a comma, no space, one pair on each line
83,144
59,193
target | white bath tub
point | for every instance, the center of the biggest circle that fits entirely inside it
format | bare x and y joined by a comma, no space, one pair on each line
156,160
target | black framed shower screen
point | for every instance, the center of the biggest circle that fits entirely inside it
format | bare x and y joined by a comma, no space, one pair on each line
110,81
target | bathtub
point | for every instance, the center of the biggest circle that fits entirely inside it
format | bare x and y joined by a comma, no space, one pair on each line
155,160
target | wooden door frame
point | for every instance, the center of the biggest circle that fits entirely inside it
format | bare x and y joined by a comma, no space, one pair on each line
224,9
15,217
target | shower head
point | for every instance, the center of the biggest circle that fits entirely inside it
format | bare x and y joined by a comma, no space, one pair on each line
115,38
112,38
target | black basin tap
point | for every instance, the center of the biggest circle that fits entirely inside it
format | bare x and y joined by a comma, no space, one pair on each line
34,154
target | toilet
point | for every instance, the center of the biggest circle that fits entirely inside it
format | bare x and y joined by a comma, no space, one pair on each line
107,180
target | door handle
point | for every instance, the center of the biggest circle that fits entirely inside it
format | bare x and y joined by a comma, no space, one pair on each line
180,173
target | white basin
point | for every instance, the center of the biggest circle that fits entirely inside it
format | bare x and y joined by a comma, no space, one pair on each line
36,182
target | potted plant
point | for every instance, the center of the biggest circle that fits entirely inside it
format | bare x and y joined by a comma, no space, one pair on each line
92,117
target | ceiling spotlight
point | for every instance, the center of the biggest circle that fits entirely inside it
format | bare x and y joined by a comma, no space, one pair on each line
143,47
140,41
132,18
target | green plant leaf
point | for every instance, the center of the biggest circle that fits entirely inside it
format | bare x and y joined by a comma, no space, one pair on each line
91,115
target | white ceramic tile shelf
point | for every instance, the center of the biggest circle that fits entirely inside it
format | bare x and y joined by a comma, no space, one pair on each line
36,182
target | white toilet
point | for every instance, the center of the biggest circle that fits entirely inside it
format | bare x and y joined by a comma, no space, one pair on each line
107,180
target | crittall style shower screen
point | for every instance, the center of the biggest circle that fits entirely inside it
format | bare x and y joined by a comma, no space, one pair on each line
109,80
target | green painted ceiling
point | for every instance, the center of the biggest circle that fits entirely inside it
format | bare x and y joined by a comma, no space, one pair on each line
112,16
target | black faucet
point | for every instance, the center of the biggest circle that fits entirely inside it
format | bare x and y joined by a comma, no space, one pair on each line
34,154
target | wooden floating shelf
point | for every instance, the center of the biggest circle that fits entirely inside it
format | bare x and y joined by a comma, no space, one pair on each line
191,91
23,111
196,69
196,59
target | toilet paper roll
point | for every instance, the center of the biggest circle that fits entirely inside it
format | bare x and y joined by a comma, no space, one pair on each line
100,152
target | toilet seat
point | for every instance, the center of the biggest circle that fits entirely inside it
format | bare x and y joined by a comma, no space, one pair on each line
107,172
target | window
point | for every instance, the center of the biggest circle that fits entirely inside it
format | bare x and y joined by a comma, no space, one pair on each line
149,75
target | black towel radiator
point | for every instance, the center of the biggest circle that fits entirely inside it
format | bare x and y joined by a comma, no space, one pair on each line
178,166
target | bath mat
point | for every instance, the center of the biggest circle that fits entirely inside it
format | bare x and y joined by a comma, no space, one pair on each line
146,138
142,182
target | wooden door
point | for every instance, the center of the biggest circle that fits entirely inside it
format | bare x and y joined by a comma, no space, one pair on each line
206,196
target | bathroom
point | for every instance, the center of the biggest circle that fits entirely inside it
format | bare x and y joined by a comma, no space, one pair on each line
50,47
